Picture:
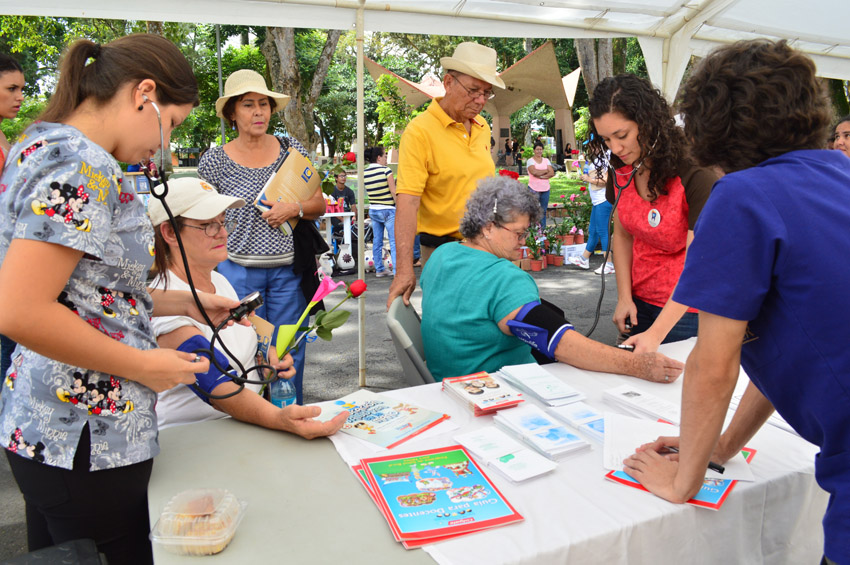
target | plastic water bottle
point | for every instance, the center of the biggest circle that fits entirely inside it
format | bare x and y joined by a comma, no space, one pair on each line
282,392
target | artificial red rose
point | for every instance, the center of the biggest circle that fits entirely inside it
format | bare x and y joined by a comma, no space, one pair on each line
350,156
357,288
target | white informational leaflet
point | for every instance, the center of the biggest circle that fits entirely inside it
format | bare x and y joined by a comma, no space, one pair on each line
540,431
640,403
624,434
582,417
542,384
507,455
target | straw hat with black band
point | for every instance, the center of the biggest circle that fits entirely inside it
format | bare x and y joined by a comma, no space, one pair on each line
477,61
245,81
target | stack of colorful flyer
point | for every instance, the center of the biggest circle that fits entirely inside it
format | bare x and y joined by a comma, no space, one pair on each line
379,419
639,403
712,495
434,495
482,392
583,418
540,431
540,383
505,454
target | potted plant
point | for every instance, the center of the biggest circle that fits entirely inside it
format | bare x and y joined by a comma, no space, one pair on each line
564,231
579,236
534,250
554,256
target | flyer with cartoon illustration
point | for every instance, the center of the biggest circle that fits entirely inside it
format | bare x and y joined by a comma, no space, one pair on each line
435,493
380,419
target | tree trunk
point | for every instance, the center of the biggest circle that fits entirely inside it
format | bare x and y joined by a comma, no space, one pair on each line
279,50
586,50
596,57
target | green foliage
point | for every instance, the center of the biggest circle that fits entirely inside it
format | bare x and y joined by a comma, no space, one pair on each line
838,94
30,110
532,243
582,125
394,113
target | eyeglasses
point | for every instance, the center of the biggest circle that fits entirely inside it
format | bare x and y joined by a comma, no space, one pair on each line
519,234
475,93
211,229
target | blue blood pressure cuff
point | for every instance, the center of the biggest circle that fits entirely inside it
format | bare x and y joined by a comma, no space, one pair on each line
540,325
212,378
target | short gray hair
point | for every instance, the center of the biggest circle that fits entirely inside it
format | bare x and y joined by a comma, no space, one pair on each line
498,200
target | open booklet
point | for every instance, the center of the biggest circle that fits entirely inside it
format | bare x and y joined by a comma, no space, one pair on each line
505,454
295,180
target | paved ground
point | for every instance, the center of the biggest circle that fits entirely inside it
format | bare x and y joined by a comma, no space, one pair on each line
333,366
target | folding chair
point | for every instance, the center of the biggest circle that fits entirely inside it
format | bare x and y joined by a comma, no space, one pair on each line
404,324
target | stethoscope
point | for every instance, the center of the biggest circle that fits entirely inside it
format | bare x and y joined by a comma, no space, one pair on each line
619,188
250,303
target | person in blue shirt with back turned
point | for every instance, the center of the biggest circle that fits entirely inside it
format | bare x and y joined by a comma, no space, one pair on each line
769,294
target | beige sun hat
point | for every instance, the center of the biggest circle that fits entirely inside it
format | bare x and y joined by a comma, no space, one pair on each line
476,61
192,198
245,81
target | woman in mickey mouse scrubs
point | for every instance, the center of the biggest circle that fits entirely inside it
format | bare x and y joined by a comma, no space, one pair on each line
663,193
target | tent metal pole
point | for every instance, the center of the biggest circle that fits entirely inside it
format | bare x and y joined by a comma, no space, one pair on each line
361,197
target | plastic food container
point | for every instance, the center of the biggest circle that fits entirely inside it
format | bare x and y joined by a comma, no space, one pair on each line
198,521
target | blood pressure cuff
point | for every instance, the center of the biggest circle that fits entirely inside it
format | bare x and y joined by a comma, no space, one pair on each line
540,325
212,378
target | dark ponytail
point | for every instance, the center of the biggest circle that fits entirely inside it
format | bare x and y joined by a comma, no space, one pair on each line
372,153
89,70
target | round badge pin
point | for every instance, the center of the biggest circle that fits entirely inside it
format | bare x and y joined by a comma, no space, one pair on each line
654,218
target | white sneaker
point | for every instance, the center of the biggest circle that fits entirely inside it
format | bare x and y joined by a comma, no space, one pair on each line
579,261
609,268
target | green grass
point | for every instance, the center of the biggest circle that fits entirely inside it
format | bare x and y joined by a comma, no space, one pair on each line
561,183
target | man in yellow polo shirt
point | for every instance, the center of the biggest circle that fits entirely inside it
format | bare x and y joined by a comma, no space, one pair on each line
444,152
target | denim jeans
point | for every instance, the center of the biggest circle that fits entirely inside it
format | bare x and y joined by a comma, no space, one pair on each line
600,216
685,328
543,197
382,219
417,252
283,303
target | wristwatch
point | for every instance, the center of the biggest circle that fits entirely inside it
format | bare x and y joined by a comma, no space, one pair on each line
300,210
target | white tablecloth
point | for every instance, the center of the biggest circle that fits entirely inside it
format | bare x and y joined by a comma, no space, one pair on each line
575,515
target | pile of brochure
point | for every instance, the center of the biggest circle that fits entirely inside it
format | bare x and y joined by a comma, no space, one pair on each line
583,418
505,454
541,384
638,403
482,392
434,495
540,431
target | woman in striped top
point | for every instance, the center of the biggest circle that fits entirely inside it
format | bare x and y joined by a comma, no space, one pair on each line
380,186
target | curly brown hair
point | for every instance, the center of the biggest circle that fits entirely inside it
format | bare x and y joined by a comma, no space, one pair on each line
662,143
751,101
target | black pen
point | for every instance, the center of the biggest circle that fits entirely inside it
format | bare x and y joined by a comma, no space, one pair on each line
713,466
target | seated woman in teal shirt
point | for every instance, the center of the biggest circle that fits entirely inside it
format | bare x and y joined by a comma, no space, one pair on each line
471,290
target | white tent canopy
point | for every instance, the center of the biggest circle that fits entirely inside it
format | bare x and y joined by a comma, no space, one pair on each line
670,31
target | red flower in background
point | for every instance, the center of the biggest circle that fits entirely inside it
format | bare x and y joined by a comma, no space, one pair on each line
583,188
357,288
350,156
